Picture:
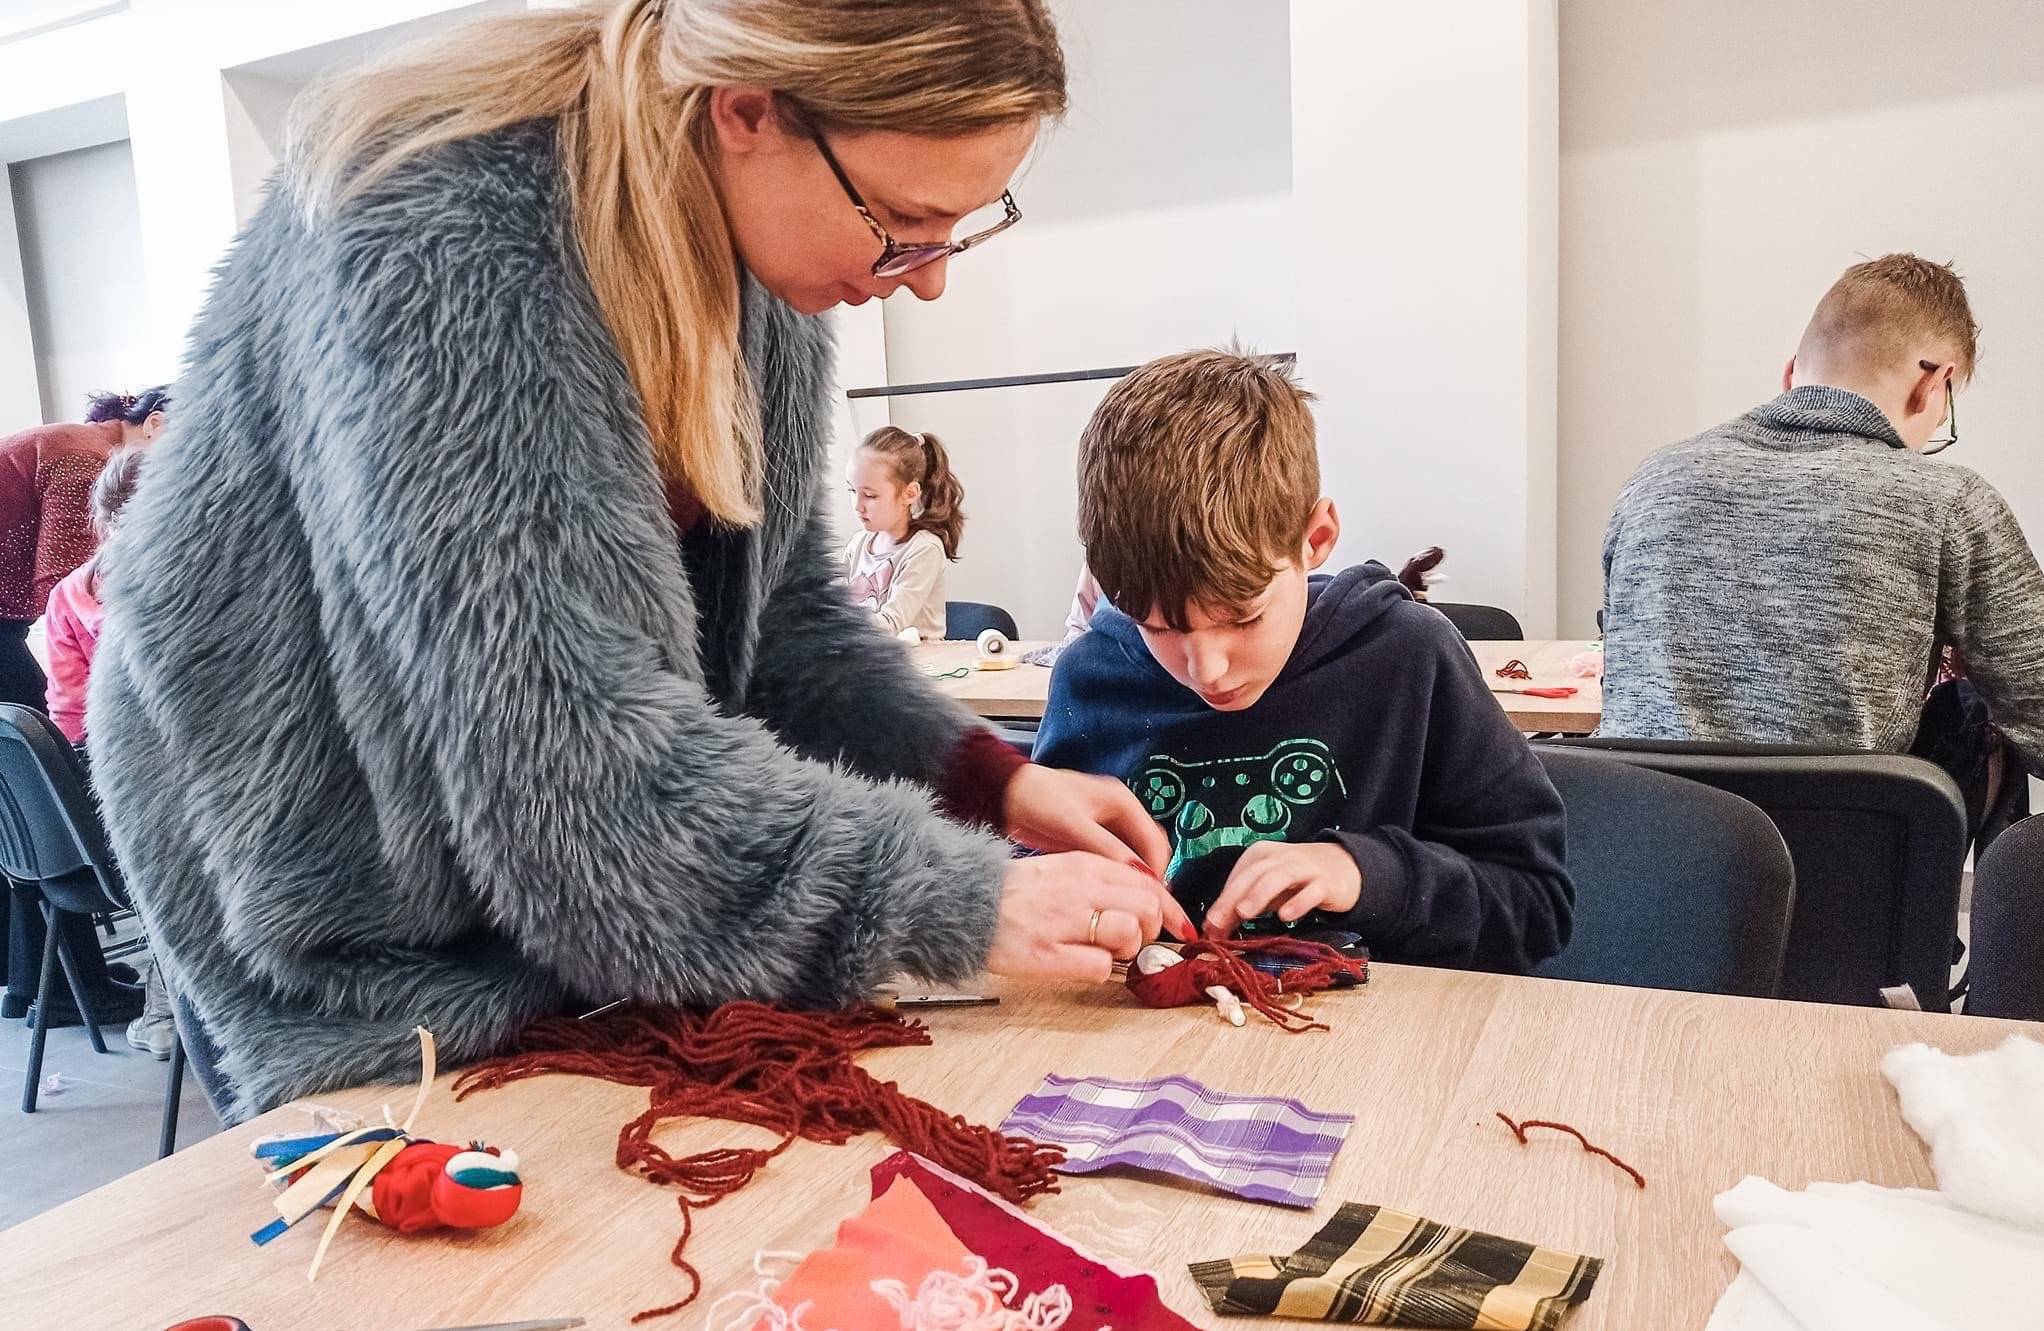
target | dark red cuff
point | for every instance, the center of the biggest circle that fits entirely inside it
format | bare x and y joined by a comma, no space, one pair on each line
976,776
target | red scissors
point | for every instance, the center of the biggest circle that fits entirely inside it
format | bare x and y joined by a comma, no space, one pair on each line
1555,691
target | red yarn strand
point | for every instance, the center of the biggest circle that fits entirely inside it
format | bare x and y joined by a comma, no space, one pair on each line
1519,1131
788,1072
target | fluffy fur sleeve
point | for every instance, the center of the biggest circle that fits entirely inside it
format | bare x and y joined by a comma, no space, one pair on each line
478,453
826,673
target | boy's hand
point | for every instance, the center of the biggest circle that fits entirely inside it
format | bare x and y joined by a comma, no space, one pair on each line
1050,809
1291,879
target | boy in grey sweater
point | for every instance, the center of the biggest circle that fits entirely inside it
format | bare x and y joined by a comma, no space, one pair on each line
1789,576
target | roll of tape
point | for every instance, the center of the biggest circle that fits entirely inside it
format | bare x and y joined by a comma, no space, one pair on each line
996,651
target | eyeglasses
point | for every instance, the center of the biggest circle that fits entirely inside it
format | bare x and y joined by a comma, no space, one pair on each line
1951,416
898,259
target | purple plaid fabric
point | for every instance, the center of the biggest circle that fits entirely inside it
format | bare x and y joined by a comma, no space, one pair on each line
1259,1147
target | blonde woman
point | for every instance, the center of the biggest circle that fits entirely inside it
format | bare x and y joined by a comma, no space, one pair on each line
474,651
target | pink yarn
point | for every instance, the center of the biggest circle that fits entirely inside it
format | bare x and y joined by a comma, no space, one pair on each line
1586,665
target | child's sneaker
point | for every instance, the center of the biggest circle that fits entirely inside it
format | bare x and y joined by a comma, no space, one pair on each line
155,1031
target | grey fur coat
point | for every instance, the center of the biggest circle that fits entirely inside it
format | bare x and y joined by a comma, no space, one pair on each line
411,710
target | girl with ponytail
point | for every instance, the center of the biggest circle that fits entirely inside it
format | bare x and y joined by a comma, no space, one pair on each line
911,518
475,652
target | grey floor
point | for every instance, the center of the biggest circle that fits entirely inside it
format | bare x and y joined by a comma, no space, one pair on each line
98,1124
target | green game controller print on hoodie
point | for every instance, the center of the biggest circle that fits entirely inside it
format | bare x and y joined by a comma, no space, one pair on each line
1232,803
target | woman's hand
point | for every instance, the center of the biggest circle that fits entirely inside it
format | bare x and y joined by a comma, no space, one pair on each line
1072,916
1050,809
1291,879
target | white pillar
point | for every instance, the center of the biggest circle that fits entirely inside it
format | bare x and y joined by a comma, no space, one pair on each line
1424,181
184,190
20,397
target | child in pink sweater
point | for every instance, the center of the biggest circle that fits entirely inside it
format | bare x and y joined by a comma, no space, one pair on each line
71,623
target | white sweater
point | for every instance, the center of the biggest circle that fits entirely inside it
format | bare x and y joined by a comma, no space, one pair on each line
902,588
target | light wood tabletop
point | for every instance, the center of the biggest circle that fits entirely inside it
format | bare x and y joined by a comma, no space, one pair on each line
1577,715
1019,694
1695,1091
998,695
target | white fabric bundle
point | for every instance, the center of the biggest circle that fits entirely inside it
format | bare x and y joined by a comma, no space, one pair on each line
1982,1115
1839,1256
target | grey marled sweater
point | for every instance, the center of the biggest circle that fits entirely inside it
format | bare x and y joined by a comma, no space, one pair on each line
410,709
1787,576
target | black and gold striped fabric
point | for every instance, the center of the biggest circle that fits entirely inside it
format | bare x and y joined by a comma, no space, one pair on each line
1380,1267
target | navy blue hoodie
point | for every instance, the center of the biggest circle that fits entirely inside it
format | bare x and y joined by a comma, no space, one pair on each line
1380,734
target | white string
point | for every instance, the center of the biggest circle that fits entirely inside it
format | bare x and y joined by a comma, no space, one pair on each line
978,1300
756,1306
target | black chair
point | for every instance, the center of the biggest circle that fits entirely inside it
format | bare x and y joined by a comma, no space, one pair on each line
52,842
1481,623
2005,963
964,621
1678,886
195,1049
1020,738
1878,841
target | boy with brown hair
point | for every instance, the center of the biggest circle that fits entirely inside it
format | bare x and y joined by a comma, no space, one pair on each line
1790,576
1319,749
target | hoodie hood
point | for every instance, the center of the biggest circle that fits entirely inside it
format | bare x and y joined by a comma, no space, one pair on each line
1338,608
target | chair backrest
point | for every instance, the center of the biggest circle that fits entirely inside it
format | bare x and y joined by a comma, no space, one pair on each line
1678,886
1481,623
203,1057
966,620
1020,738
50,833
2005,962
1879,843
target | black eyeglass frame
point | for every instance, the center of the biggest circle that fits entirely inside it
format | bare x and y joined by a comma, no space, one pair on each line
896,258
1935,446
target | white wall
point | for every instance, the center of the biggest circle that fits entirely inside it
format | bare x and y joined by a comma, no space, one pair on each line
81,255
1156,218
1423,147
36,131
175,102
258,112
1722,164
20,19
20,394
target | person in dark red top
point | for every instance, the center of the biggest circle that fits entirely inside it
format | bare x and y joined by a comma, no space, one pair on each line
46,476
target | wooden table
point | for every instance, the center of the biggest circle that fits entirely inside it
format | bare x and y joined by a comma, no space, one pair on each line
1549,663
1019,694
997,695
1695,1091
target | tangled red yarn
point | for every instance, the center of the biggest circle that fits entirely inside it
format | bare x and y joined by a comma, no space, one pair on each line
789,1072
1222,961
